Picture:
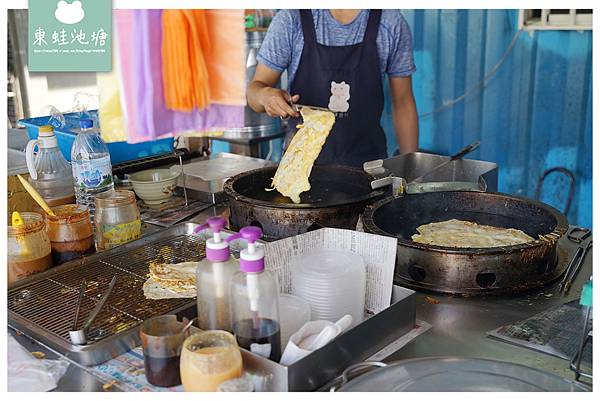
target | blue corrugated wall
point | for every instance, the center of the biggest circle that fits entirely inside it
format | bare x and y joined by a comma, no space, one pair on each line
534,113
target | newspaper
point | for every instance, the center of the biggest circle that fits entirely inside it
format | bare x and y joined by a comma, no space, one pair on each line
556,331
378,252
126,371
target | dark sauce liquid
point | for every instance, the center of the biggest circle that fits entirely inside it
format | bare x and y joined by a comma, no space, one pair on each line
63,257
259,331
162,372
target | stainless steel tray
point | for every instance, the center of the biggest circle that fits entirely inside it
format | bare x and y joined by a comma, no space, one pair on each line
204,179
353,346
43,306
412,165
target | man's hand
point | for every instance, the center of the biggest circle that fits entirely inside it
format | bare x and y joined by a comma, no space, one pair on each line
276,102
263,97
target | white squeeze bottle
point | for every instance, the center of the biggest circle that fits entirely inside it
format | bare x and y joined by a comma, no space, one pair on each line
212,279
92,170
255,300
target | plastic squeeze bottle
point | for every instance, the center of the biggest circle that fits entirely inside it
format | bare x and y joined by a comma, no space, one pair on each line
255,300
212,279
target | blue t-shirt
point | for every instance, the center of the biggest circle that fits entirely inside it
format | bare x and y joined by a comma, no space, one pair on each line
284,41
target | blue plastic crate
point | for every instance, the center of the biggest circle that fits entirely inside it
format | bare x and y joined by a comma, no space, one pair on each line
119,151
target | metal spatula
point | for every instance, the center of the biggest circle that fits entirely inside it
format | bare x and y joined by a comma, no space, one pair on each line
457,156
297,107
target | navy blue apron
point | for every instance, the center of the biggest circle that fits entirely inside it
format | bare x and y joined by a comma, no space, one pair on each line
347,80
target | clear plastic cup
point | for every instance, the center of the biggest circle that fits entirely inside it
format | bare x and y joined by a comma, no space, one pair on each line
294,312
162,339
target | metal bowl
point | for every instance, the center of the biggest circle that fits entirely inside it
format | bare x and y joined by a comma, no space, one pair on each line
459,374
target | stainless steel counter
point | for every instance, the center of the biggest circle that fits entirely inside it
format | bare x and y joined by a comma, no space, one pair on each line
459,326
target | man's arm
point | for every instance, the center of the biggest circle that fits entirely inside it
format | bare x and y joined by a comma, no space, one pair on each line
404,113
264,98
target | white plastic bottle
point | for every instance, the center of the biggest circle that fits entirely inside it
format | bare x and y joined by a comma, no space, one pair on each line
49,171
90,160
255,300
212,279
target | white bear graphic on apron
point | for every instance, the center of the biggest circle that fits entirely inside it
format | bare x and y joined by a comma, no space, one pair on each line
340,94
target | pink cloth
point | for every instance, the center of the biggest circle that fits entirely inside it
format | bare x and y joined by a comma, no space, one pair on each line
123,20
144,89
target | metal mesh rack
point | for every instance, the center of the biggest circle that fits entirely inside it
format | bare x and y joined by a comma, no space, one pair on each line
50,303
44,306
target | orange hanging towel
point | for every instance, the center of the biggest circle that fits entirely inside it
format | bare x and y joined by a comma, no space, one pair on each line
225,58
185,42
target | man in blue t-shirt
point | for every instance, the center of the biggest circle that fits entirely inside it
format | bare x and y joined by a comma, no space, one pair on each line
338,59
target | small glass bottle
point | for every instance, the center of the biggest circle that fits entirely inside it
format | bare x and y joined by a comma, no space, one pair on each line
117,219
212,279
255,300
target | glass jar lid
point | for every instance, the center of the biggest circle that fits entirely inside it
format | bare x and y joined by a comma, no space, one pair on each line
115,198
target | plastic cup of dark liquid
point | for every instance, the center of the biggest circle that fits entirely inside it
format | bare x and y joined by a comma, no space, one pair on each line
162,338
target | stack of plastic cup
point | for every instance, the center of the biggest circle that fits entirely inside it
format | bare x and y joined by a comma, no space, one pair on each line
332,281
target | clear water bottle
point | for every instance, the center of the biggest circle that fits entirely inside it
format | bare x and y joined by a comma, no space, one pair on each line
92,170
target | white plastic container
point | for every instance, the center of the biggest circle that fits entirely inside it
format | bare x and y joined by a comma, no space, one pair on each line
49,171
332,281
294,313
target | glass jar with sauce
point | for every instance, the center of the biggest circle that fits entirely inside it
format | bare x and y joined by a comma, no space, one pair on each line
208,359
117,219
70,232
28,247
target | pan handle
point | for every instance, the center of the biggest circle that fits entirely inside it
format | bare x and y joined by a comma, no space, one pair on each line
375,168
465,151
398,184
360,368
570,176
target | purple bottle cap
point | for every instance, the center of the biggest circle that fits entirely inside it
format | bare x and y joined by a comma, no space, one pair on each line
200,228
252,260
216,224
215,251
252,266
251,233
